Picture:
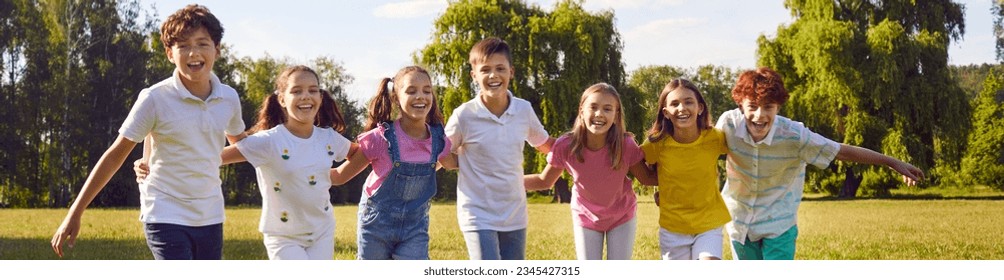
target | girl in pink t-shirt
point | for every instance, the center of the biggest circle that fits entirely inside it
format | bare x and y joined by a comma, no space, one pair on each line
598,153
394,209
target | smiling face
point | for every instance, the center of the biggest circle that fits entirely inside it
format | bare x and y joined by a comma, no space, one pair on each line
414,95
301,98
759,118
598,112
493,74
194,56
683,109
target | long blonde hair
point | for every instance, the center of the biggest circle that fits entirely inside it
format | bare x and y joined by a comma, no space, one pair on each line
616,134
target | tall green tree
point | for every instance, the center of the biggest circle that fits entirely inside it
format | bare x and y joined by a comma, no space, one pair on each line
984,159
556,55
874,74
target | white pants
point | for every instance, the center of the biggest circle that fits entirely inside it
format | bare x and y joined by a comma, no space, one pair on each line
314,246
619,240
677,246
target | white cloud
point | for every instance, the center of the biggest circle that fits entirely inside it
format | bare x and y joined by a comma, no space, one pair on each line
410,9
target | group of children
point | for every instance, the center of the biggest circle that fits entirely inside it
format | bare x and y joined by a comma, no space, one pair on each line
295,142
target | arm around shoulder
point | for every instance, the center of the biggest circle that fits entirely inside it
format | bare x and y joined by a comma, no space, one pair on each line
544,180
645,174
354,164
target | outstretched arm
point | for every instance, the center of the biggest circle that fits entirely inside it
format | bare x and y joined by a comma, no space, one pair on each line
544,180
911,174
110,161
354,164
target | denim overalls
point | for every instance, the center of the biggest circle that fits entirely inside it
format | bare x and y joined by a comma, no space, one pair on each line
394,221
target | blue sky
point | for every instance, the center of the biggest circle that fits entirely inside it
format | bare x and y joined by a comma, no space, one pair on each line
375,38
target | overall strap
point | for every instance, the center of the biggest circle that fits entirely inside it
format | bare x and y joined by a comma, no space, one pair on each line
392,148
438,137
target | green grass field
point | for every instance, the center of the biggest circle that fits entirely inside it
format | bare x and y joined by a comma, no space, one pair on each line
943,229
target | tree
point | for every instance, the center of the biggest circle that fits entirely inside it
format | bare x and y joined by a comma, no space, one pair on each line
556,55
984,159
715,83
874,74
998,11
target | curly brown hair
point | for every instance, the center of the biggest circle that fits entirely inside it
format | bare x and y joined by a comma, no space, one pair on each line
761,86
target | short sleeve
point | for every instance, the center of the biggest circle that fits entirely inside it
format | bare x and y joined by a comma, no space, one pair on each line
236,124
453,130
558,156
536,134
650,151
339,145
632,154
372,143
818,151
257,148
446,148
141,119
723,146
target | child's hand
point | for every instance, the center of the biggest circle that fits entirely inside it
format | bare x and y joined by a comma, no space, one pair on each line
911,174
66,233
141,169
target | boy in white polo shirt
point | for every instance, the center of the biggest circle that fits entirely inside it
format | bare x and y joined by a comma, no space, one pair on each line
488,134
766,167
188,117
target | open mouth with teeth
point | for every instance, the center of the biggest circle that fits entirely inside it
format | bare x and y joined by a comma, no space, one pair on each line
419,106
305,107
758,125
494,85
598,123
196,66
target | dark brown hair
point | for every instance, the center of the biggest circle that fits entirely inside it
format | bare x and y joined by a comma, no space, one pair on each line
381,108
271,113
182,23
761,86
487,47
662,126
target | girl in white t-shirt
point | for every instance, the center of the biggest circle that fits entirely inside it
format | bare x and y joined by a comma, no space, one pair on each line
292,148
404,151
598,153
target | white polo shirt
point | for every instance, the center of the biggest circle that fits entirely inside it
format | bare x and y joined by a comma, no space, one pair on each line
765,179
183,186
490,192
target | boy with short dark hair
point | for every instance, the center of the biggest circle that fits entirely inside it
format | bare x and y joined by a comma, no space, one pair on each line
186,117
488,134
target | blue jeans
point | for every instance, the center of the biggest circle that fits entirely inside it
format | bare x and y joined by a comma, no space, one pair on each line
177,242
778,248
496,245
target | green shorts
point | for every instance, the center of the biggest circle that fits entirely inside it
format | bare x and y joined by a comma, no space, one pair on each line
778,248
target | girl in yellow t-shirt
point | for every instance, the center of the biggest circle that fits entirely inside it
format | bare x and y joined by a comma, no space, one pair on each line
685,148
